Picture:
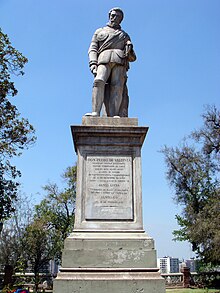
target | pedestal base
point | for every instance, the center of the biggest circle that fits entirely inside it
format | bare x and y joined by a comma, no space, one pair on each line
109,281
104,262
109,252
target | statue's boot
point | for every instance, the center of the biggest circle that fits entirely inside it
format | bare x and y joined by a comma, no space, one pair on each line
98,96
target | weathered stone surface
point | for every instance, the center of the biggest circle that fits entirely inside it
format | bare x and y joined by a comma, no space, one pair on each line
109,121
109,188
110,280
110,52
108,250
109,195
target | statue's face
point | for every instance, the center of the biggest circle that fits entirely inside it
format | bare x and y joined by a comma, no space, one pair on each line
115,18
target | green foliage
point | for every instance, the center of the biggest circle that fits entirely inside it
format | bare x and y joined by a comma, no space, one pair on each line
12,252
38,247
57,209
20,267
7,289
12,62
34,238
37,244
193,172
11,237
16,133
53,221
209,134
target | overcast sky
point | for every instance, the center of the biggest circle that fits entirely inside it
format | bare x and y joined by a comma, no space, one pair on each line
177,72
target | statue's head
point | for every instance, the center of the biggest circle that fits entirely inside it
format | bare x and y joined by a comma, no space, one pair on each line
116,16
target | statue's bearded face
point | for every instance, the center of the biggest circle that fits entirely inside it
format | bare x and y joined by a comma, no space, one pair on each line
115,18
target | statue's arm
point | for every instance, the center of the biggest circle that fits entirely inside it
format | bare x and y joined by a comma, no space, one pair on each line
129,51
93,53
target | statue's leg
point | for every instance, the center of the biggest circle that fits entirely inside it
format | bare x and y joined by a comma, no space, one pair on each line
116,89
105,107
97,96
123,111
98,92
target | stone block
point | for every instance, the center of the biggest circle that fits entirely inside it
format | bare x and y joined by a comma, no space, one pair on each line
110,280
109,121
109,195
133,250
109,250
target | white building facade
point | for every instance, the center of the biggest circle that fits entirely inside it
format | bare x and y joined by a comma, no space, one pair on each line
168,264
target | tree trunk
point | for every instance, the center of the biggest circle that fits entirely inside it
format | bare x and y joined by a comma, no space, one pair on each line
36,281
8,273
1,227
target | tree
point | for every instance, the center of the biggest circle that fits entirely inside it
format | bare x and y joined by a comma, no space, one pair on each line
16,133
193,172
11,240
38,247
31,238
57,210
53,221
209,133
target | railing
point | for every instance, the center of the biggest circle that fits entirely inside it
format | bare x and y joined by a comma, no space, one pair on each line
173,279
27,279
187,279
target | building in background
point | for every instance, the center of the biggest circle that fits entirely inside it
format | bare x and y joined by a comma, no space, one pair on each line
192,264
168,264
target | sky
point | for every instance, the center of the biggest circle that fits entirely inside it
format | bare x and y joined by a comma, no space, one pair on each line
176,74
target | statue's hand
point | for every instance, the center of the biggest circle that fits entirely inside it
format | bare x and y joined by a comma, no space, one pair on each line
128,48
129,52
93,69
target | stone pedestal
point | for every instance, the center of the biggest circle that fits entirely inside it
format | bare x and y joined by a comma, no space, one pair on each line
109,249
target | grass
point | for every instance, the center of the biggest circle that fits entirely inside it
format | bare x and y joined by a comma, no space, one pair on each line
192,291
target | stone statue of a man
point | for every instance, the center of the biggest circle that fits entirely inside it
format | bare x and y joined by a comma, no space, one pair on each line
110,52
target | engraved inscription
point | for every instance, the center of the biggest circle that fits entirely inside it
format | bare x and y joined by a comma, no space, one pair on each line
109,188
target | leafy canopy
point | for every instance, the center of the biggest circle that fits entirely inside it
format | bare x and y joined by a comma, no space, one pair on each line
16,133
57,210
193,173
33,237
